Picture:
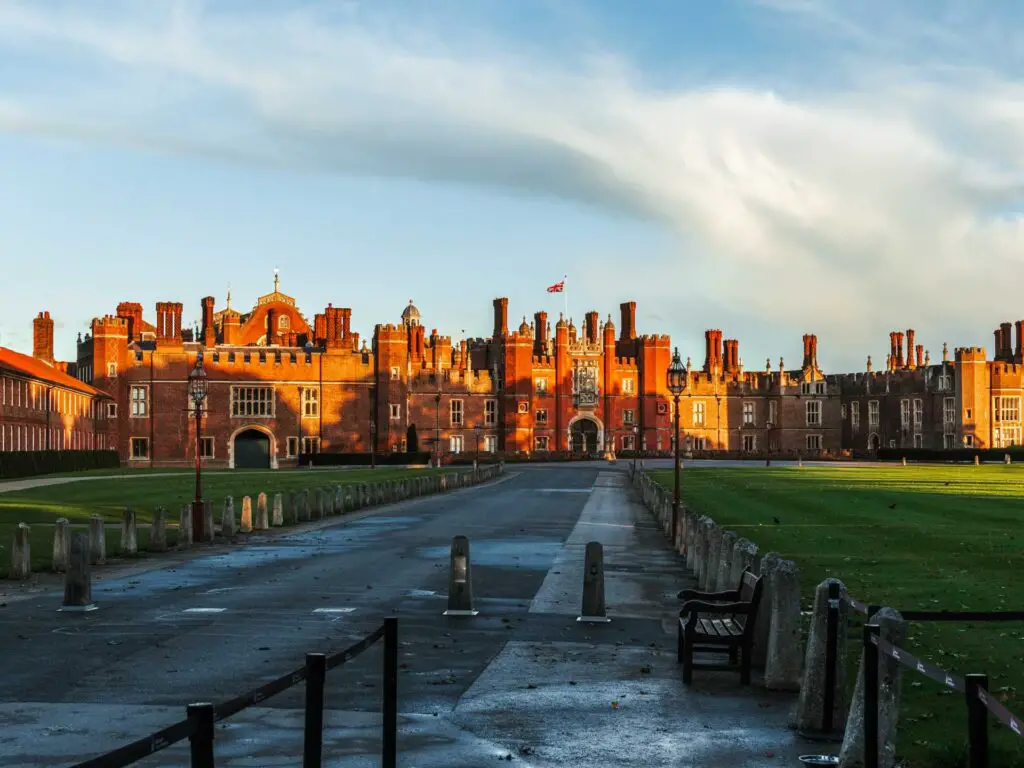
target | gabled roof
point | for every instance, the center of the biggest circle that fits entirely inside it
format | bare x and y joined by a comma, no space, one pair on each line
37,369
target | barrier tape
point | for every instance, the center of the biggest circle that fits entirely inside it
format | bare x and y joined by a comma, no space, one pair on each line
354,650
255,696
1001,713
142,748
857,605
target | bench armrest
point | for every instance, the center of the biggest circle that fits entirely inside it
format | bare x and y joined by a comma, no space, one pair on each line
731,595
702,606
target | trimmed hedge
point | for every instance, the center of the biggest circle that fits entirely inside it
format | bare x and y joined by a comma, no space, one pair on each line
30,463
950,455
362,459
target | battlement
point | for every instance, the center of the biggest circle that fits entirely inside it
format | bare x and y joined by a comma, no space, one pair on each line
110,325
626,362
661,340
971,354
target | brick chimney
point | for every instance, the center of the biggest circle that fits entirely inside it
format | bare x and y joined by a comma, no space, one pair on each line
910,349
131,311
591,327
628,314
730,356
920,355
712,351
42,338
891,359
1018,356
500,318
899,349
1007,353
540,333
209,331
997,344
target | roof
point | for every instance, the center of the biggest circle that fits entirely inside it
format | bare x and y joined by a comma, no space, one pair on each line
37,369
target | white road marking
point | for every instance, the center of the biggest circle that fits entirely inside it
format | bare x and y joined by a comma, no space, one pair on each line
204,610
560,490
218,590
333,610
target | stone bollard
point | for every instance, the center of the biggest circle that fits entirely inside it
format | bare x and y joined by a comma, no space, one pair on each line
185,527
894,631
304,506
977,460
262,521
810,716
800,462
292,510
277,513
245,525
21,553
61,544
78,579
763,623
744,556
701,550
903,461
1006,459
97,541
710,575
724,579
158,531
782,667
323,500
228,522
208,533
339,500
593,585
691,540
460,580
129,533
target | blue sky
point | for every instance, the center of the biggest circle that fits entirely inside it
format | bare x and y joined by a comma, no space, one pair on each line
767,167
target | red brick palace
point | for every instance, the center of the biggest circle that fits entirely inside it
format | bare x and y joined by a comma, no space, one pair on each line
279,384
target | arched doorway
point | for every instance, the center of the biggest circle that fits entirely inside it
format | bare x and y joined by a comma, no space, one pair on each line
583,436
873,443
412,440
252,449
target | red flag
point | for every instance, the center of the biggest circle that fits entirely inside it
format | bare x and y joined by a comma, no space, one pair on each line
557,287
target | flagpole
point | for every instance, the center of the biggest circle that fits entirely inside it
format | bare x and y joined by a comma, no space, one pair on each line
565,295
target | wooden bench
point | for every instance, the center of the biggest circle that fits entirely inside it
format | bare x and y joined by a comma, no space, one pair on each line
719,621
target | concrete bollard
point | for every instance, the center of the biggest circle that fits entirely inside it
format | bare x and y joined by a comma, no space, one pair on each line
811,707
1006,459
800,462
691,540
744,556
593,611
21,553
245,524
185,527
61,544
339,500
97,541
763,623
723,581
228,523
782,667
158,531
977,460
78,579
460,580
262,521
903,461
710,575
129,533
894,631
305,506
277,513
323,504
208,532
701,550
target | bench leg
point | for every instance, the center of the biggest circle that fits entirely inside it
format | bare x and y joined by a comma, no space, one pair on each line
687,662
734,657
679,644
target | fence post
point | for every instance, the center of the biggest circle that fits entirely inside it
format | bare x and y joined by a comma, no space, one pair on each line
316,674
870,696
977,720
831,646
201,741
389,737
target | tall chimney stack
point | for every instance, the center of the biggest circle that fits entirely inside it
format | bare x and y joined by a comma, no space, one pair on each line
628,329
42,338
500,318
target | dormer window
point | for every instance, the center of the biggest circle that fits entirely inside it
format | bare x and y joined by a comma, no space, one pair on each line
284,323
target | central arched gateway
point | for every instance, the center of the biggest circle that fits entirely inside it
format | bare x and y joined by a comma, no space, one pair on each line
252,448
584,435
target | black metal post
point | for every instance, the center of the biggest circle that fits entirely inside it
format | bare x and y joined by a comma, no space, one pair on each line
675,493
437,425
977,721
870,697
201,741
389,736
316,674
831,648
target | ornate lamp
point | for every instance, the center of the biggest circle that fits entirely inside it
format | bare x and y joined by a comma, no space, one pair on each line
198,387
676,385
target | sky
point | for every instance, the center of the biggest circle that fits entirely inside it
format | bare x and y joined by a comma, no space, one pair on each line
766,167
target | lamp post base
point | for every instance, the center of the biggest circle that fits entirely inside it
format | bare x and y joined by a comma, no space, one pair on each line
198,521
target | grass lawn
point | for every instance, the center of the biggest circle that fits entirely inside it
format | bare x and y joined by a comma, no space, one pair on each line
144,491
914,538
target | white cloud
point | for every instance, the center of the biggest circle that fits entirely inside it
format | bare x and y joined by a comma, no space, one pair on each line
846,213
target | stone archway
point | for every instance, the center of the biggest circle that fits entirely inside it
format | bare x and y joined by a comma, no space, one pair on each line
873,442
585,435
253,447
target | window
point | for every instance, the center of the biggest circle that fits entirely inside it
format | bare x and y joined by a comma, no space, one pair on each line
138,399
311,444
814,442
892,443
541,416
918,440
540,443
1007,409
969,441
140,448
490,443
813,413
292,448
819,388
252,401
904,413
455,410
627,416
698,412
749,443
395,373
698,443
773,413
628,442
455,444
206,447
541,386
855,415
627,386
748,414
918,413
805,388
310,402
111,369
111,410
842,411
490,413
284,322
945,383
396,412
873,413
969,414
948,410
948,441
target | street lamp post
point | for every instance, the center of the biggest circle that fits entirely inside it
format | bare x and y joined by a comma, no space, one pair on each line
476,461
198,386
373,444
636,450
437,429
676,385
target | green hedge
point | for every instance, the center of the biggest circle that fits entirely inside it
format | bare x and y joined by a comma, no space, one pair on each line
29,463
954,454
362,459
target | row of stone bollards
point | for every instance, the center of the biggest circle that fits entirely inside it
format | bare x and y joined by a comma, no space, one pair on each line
460,583
825,710
270,511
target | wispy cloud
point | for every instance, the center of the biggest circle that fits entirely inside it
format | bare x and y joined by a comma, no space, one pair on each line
889,202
